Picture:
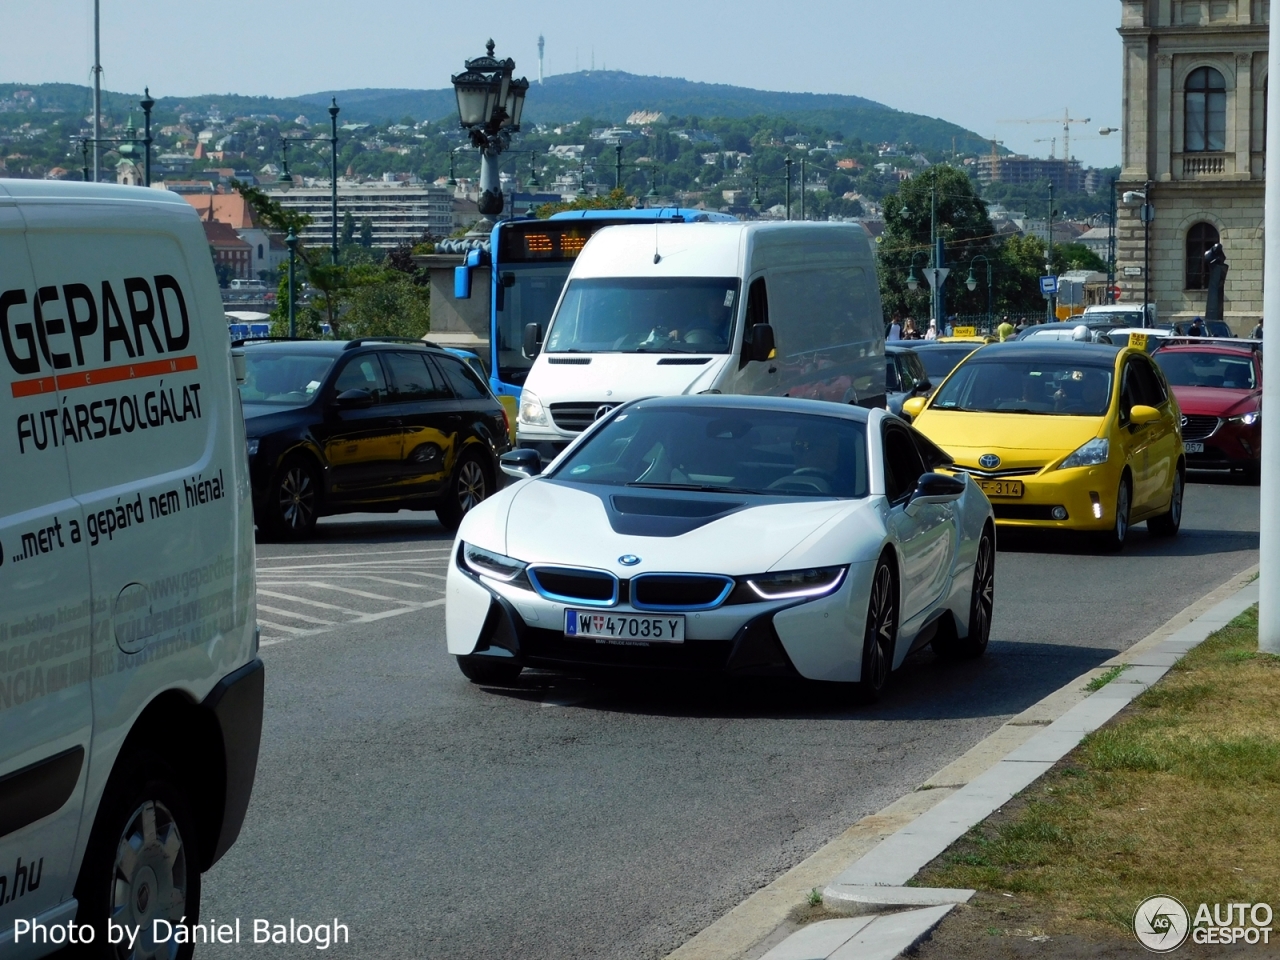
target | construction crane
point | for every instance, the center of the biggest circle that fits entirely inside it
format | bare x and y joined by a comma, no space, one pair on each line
1066,121
995,159
1053,145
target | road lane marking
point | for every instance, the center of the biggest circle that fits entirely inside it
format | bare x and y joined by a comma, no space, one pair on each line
311,603
357,553
297,616
298,631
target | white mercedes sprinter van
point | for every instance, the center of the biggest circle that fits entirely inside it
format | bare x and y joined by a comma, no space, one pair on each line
777,309
130,686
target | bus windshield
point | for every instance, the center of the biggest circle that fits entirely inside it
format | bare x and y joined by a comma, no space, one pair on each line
529,294
646,315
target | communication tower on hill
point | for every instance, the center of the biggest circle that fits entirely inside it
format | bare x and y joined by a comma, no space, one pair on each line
541,45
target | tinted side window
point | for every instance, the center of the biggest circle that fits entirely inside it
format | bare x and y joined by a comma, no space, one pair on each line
1147,384
757,312
462,378
891,382
902,464
363,373
414,380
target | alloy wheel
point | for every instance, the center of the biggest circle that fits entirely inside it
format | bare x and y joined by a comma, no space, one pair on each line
297,498
882,624
1122,512
984,591
149,880
471,485
1175,503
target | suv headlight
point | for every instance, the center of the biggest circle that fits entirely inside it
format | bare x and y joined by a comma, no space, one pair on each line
486,563
1248,419
1094,452
788,584
251,446
531,409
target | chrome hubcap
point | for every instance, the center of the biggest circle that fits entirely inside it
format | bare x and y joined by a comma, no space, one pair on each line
297,498
149,880
881,628
470,485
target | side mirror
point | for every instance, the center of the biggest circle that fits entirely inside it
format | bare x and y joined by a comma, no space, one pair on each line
238,365
462,283
1140,415
532,340
923,388
521,464
357,399
914,406
762,342
936,488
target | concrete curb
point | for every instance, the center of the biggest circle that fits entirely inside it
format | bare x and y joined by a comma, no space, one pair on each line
864,938
757,924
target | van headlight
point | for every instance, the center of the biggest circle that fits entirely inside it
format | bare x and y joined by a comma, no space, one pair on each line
789,584
486,563
1094,452
532,411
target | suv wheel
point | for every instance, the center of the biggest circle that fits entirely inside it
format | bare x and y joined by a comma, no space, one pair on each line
470,486
294,499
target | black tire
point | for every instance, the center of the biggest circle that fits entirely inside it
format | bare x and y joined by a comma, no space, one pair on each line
293,500
881,635
133,879
981,606
471,484
1168,523
489,670
1113,540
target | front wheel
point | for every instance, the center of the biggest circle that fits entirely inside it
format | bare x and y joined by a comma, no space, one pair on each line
469,488
489,671
881,635
1113,540
1168,523
293,502
141,864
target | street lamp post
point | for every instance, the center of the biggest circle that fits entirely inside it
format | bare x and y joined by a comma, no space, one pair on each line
972,284
489,106
147,104
291,241
788,163
1111,245
1148,214
332,140
802,178
1051,312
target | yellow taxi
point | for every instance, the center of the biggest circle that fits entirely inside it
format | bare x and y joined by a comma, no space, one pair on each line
1063,435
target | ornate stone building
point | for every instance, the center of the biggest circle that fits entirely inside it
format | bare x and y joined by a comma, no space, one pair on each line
1195,92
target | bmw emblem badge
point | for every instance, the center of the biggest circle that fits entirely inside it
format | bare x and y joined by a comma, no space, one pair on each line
628,559
988,461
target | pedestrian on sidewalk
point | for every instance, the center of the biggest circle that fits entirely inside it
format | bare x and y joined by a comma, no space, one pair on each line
895,328
909,331
1006,329
1257,331
932,332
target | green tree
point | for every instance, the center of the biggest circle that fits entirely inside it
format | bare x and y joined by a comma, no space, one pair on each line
962,224
366,233
1017,269
393,306
1076,256
613,200
348,228
307,319
268,212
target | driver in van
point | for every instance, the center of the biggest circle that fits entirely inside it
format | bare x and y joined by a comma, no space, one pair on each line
713,326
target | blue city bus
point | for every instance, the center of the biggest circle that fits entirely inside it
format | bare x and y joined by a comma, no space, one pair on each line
530,261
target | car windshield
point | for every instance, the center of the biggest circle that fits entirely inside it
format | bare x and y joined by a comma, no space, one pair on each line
645,315
1186,369
282,378
1121,318
940,361
1047,387
724,450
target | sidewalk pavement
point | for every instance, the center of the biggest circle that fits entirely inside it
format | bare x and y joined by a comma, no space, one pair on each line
889,917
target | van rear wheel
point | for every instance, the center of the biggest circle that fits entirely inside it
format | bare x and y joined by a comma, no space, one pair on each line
141,864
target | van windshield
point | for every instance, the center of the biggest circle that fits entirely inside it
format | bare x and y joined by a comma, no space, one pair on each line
281,378
646,315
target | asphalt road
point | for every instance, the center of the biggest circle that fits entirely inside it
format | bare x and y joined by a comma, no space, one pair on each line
577,819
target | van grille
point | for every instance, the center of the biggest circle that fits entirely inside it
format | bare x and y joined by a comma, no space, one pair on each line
576,417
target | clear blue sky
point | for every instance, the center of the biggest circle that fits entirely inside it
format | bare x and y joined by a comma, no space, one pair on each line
978,63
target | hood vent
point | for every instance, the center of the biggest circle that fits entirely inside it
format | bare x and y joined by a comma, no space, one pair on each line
683,361
576,361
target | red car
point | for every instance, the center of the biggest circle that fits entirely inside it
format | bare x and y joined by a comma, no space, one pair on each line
1218,386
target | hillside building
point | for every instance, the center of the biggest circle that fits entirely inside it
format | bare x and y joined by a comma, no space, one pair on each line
1195,87
399,212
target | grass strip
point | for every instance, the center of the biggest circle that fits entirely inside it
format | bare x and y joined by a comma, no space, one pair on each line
1179,795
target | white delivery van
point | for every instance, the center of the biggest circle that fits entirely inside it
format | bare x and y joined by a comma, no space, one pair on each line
1121,314
130,686
777,309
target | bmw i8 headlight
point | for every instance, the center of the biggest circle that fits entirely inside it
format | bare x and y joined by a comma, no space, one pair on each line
789,584
1248,419
490,564
1094,452
532,411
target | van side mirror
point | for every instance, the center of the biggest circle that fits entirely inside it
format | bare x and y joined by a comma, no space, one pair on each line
532,340
762,343
521,464
356,399
238,365
935,488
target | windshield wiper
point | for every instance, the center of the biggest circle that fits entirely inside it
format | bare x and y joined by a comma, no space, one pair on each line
699,487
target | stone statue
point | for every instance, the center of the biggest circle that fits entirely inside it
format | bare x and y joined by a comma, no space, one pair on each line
1216,267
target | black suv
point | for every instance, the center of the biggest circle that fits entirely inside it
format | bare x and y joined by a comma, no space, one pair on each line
373,424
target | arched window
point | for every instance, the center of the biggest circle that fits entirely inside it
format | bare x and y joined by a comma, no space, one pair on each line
259,251
1200,238
1206,111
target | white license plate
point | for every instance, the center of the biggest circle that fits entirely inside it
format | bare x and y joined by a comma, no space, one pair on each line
623,627
1191,447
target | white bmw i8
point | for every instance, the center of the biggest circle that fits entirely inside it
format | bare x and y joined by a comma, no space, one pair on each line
749,536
